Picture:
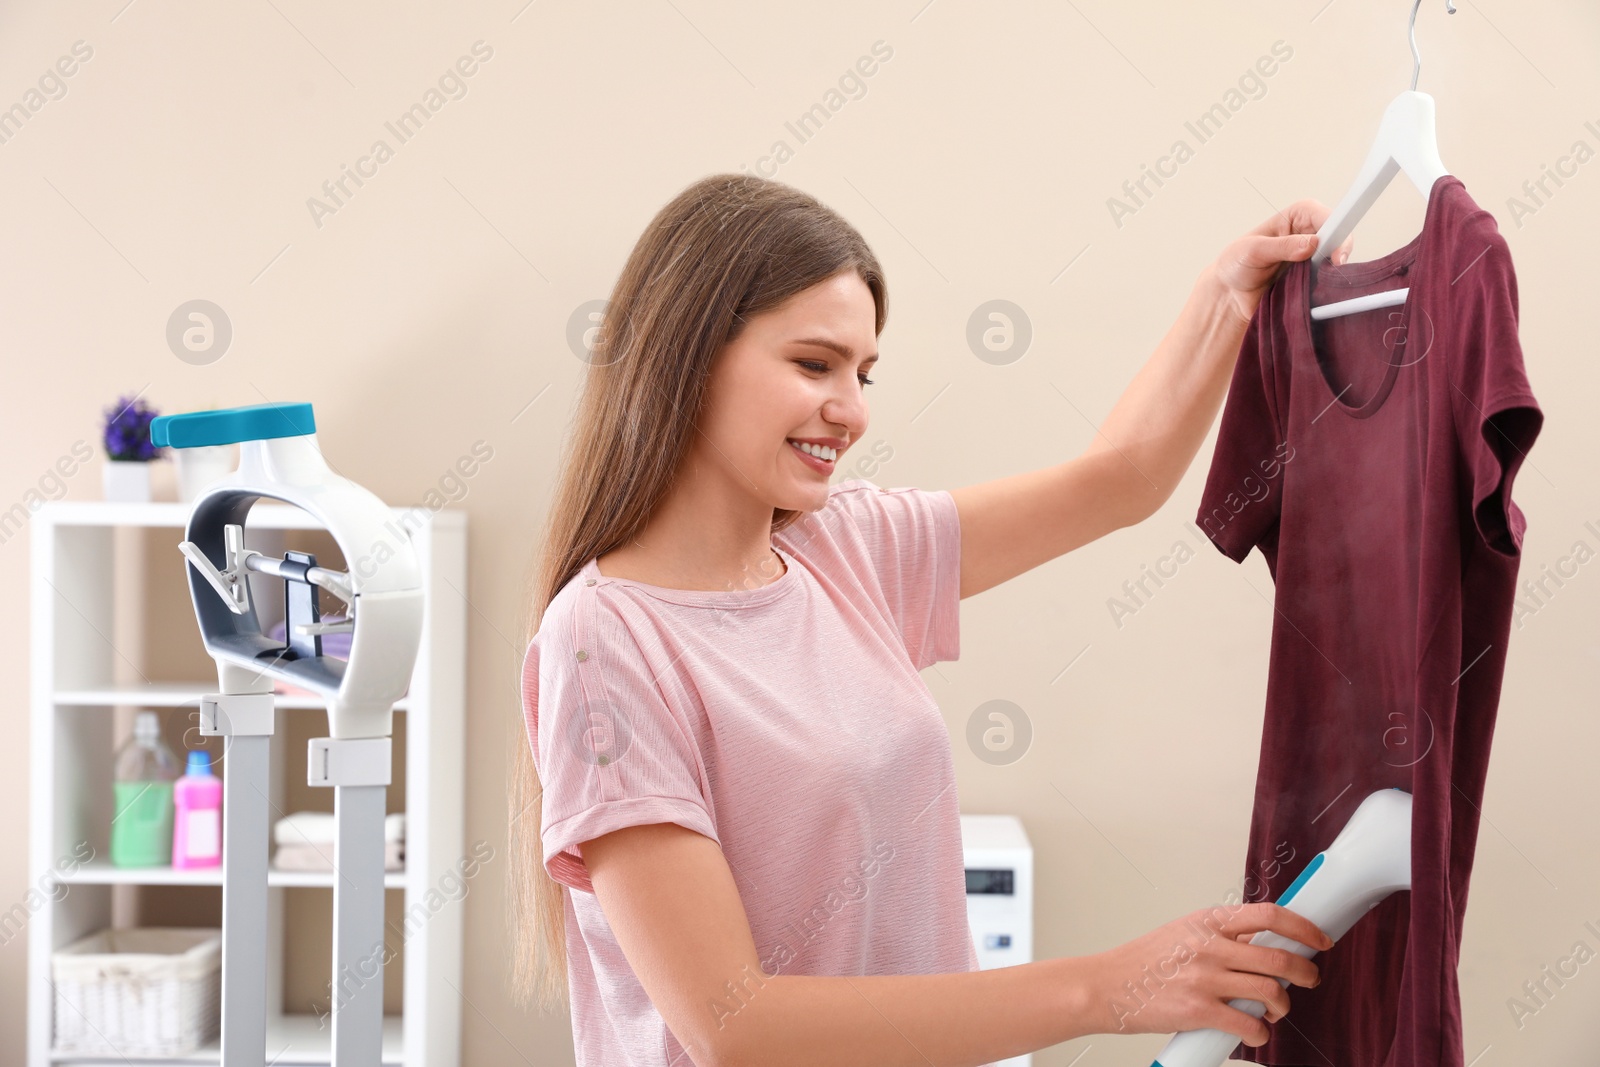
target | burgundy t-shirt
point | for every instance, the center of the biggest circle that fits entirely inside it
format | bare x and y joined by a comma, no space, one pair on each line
1370,458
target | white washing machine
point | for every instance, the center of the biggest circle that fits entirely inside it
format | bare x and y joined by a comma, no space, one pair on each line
999,863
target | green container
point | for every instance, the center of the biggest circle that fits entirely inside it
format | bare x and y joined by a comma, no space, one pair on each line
141,830
141,825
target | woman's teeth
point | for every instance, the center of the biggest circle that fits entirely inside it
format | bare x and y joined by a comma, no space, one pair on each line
820,451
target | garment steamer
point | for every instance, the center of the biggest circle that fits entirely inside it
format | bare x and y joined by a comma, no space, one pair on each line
1370,859
279,460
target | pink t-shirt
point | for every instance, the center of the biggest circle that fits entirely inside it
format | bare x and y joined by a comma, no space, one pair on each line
787,722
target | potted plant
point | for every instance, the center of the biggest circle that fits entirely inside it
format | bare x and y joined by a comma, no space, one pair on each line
126,477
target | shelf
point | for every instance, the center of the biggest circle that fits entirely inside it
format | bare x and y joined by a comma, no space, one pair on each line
176,695
101,872
89,592
291,1039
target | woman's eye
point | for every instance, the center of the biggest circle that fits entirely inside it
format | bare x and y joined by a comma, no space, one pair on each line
821,368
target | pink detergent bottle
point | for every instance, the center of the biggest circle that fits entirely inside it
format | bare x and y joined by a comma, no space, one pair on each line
197,815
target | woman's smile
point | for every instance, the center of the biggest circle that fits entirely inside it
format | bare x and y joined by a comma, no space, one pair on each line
812,459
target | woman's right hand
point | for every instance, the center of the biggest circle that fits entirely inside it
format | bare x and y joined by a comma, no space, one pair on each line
1181,976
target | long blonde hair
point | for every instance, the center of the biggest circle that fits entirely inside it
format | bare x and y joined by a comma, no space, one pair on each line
728,247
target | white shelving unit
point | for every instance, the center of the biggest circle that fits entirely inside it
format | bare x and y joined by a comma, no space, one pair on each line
73,694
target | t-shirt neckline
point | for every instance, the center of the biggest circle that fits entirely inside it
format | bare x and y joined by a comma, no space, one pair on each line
719,598
1406,259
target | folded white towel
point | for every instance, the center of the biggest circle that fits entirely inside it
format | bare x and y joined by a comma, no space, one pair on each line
320,828
320,857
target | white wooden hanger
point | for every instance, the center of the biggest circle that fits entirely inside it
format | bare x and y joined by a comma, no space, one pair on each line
1406,142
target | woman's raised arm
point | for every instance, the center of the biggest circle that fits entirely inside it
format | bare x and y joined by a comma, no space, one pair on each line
1144,446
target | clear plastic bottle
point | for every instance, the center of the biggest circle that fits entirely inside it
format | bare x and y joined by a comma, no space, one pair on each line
141,828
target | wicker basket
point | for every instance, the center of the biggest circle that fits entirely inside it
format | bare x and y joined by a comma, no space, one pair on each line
152,991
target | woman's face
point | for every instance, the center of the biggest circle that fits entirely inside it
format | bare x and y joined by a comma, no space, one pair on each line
775,385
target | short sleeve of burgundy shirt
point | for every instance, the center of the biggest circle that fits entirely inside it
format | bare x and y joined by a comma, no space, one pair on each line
1242,490
1496,415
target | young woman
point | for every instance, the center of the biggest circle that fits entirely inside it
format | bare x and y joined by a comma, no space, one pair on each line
735,828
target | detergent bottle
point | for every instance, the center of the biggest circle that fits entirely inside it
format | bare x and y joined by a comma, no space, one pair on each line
141,828
197,817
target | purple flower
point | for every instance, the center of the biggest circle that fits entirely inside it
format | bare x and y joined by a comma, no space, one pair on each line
127,434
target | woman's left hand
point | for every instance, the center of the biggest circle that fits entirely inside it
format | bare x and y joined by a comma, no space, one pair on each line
1249,266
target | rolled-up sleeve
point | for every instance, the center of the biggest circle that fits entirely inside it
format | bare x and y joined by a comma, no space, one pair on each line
609,749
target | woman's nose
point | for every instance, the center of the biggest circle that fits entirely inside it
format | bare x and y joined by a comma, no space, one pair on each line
848,417
847,409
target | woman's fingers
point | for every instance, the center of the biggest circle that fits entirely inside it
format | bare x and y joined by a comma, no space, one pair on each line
1299,218
1342,253
1270,251
1253,918
1246,1028
1221,1015
1302,216
1194,965
1272,963
1238,986
1250,264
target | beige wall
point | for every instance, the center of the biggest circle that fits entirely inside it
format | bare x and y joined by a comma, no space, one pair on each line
432,309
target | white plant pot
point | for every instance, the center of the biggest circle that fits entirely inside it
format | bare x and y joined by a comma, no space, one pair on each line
199,467
126,481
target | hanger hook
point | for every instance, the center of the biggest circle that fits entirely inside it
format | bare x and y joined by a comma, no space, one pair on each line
1411,32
